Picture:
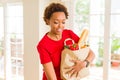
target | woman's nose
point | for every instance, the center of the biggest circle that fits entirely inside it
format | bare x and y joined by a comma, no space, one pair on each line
60,25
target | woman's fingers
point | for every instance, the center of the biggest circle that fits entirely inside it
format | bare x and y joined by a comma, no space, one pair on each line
74,70
77,74
71,71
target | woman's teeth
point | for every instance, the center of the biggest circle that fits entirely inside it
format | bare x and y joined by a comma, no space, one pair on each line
59,30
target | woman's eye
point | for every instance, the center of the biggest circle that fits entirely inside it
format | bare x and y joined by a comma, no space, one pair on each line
55,22
63,22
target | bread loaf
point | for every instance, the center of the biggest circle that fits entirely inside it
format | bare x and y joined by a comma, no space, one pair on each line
83,37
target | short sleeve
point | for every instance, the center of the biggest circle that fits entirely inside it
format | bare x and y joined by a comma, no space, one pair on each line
74,36
43,54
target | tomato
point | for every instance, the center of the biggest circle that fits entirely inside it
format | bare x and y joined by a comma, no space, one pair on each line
74,47
70,44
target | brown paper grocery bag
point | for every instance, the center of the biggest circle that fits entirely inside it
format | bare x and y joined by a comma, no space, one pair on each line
68,55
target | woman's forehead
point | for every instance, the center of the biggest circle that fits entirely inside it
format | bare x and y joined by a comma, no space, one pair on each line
58,15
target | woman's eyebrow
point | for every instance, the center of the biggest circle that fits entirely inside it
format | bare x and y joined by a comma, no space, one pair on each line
60,19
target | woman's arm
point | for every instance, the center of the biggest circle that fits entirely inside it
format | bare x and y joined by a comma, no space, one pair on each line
90,56
80,64
49,71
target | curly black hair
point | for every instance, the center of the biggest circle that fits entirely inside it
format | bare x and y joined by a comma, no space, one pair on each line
54,7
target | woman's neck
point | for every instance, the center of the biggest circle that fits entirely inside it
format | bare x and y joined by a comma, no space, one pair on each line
54,36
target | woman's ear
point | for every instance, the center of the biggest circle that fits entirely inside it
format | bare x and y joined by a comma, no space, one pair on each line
47,21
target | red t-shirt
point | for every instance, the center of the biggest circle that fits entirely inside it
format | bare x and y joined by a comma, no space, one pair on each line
50,50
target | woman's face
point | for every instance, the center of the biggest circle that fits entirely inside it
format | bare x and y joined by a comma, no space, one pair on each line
57,22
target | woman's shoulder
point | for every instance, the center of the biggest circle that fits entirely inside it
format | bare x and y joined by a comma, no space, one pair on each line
70,34
67,31
43,40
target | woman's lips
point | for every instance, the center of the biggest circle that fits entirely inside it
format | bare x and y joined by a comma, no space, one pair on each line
59,30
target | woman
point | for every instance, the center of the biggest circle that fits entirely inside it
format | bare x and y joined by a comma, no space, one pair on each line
52,43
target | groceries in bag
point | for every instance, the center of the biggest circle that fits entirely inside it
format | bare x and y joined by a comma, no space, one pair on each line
74,51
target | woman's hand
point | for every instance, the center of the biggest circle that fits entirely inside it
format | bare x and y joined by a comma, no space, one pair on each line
74,70
78,65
